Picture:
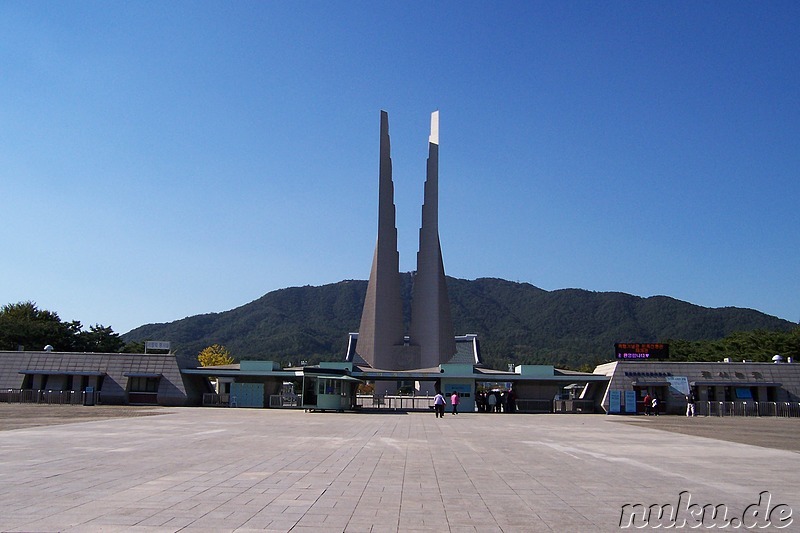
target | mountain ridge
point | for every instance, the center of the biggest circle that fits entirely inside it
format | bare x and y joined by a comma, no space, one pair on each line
515,322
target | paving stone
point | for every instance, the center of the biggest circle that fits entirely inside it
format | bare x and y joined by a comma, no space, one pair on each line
197,469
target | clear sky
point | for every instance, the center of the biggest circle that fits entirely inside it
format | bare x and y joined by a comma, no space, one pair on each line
164,159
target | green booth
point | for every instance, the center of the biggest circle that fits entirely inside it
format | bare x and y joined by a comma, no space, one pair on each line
329,387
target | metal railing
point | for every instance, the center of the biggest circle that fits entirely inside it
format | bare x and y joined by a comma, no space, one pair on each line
782,409
278,401
398,402
50,397
534,406
573,406
425,403
212,399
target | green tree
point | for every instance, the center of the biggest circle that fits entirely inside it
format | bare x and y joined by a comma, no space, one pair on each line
755,345
134,347
215,355
99,339
24,324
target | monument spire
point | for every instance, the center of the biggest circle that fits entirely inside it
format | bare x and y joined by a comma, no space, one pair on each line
381,329
431,323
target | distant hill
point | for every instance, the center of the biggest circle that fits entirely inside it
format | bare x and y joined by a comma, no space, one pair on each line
516,323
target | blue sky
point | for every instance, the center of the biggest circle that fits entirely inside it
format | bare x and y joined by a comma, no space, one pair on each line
164,159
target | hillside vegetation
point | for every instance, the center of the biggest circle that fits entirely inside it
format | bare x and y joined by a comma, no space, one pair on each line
516,323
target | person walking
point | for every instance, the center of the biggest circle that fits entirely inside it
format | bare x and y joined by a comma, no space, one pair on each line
438,405
511,399
655,405
454,399
491,401
648,404
690,404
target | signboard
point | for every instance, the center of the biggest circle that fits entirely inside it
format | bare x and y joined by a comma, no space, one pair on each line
614,398
630,401
679,383
743,393
156,345
633,351
460,388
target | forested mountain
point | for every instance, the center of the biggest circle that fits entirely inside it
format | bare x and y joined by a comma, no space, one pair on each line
516,323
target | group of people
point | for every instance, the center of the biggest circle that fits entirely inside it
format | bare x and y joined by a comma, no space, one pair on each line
651,405
496,401
439,403
485,401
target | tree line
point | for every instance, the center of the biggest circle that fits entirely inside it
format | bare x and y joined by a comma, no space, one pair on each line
758,345
324,314
24,325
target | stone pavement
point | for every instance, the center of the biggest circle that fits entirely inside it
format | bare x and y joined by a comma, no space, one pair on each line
196,469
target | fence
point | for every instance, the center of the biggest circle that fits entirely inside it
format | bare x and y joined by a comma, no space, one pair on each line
533,406
782,409
573,406
399,403
282,400
425,403
50,397
212,399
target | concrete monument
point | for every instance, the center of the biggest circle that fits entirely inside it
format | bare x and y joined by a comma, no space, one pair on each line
382,342
431,325
381,330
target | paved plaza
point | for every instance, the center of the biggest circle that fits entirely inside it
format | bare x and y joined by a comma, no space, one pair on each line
195,469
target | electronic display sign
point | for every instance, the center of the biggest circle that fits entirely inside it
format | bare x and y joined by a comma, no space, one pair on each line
641,351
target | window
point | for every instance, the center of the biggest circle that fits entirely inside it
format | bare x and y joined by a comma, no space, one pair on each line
329,386
142,384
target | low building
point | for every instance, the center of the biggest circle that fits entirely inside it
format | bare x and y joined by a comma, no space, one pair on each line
332,385
718,387
109,378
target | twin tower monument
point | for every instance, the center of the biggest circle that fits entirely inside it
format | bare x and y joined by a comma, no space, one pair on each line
382,340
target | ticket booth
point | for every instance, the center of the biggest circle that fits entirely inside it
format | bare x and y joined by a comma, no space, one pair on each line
328,390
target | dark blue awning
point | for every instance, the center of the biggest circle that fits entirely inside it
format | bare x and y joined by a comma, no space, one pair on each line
63,372
142,375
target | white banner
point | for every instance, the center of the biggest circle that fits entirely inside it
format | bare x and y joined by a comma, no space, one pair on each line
630,401
156,345
614,401
679,383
